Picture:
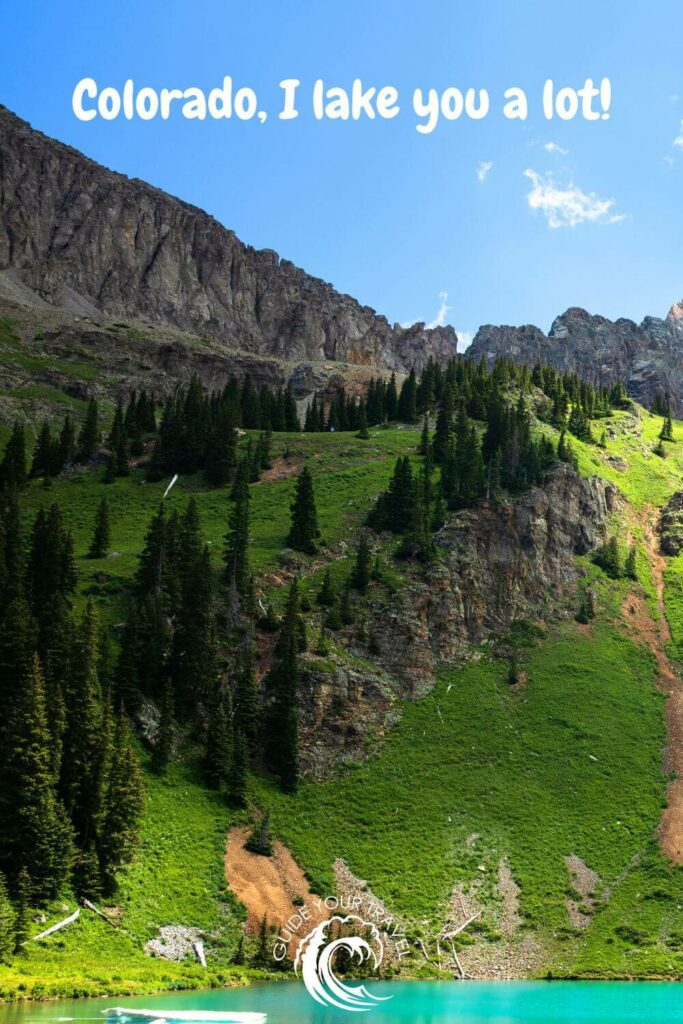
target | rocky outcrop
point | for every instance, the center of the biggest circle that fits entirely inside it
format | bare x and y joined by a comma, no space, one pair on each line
498,564
671,525
646,357
77,236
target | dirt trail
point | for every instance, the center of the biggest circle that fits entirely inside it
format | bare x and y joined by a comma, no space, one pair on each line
268,885
656,634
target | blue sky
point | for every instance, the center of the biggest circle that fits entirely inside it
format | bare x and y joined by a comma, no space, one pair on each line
391,216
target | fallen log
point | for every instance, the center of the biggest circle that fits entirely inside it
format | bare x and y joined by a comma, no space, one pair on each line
91,906
56,927
462,927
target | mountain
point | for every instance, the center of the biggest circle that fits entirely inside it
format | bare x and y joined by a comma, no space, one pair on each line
647,357
78,237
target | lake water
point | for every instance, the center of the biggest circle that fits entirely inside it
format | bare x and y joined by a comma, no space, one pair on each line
431,1002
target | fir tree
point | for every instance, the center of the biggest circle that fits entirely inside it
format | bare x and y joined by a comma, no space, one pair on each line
246,701
237,540
630,566
282,683
667,431
363,432
361,570
260,840
326,595
124,806
89,436
40,838
22,904
99,546
608,558
304,534
165,741
237,775
13,466
219,737
7,923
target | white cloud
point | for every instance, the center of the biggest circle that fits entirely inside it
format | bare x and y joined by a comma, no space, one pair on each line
678,141
483,169
464,337
567,207
552,147
444,310
670,161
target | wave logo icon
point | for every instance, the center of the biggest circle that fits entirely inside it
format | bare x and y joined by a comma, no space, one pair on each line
315,962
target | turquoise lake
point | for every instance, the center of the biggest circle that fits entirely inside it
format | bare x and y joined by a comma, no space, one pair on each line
558,1002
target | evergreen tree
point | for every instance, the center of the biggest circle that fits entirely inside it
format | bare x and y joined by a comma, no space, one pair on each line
667,431
22,904
246,702
81,780
363,432
99,546
282,684
260,840
219,737
630,566
89,437
407,403
124,806
43,457
608,558
165,741
237,776
304,534
361,569
237,540
13,471
7,923
40,838
326,595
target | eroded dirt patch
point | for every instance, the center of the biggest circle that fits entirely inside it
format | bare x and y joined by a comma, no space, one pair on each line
274,887
655,635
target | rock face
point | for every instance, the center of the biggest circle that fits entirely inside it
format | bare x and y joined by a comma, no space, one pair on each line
671,525
647,357
77,236
501,563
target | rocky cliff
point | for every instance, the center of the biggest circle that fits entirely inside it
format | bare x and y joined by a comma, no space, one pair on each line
77,236
647,357
499,564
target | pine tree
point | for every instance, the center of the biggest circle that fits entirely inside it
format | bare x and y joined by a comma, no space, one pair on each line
282,683
346,612
363,432
326,595
260,840
13,471
22,904
237,540
246,701
304,534
42,453
608,558
124,806
165,741
40,838
99,546
630,566
89,437
237,775
80,785
424,446
7,923
667,431
361,570
219,737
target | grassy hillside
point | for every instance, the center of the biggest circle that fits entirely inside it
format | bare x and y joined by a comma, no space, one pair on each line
568,762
